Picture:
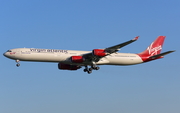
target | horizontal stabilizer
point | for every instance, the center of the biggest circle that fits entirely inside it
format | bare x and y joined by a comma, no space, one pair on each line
160,55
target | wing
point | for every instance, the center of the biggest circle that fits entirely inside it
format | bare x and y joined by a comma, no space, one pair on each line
107,51
116,48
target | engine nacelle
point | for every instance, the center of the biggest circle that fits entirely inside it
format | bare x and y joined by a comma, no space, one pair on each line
68,67
77,59
99,52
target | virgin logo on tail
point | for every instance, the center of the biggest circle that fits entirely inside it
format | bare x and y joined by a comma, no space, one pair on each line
154,50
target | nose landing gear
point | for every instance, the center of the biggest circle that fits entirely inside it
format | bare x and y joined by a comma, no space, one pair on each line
18,64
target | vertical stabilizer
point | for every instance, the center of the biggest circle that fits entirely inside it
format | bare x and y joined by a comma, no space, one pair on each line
154,49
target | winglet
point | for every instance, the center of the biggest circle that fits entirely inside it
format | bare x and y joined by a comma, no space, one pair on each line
136,38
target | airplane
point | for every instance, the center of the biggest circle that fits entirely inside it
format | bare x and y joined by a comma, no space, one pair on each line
74,60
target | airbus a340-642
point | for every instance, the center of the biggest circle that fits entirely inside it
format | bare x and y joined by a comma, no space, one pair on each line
74,60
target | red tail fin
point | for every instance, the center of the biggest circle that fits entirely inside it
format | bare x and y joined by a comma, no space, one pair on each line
154,49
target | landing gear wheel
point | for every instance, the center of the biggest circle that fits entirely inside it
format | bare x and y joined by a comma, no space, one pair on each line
17,65
93,66
97,68
90,69
89,72
85,70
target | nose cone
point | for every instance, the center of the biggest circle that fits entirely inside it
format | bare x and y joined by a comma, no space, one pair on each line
5,54
9,55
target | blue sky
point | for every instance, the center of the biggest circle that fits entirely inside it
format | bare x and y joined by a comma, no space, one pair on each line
85,25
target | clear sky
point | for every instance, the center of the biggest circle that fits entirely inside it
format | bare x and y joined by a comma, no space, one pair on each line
35,87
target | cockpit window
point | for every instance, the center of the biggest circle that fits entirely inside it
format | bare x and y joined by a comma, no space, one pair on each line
9,51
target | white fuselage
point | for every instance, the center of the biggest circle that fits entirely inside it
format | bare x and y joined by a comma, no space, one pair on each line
55,55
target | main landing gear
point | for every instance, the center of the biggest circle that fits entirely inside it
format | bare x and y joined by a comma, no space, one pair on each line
18,64
89,70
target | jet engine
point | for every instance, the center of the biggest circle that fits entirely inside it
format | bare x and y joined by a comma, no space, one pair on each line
99,52
63,66
77,59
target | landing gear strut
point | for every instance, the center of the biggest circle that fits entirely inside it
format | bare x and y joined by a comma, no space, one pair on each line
18,64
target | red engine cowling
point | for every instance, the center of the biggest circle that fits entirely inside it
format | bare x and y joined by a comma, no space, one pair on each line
68,67
99,52
77,59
